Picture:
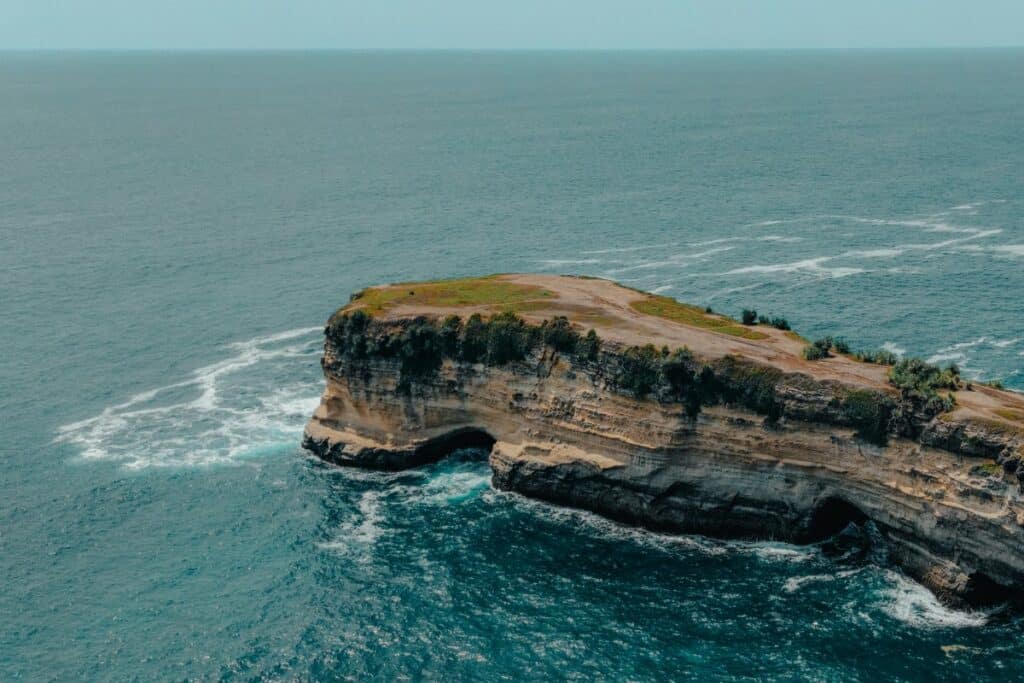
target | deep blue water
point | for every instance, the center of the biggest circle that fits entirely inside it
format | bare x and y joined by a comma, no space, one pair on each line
176,228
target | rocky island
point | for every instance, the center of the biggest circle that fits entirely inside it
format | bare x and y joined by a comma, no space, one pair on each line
658,413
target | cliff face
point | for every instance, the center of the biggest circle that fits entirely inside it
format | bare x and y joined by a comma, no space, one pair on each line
560,428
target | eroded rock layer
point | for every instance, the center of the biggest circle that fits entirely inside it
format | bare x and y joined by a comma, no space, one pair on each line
559,429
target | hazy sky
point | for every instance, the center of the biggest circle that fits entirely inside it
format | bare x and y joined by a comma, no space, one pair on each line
509,23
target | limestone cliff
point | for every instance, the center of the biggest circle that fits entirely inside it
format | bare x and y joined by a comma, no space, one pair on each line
735,437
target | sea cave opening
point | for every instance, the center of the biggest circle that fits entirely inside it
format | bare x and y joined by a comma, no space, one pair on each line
466,438
831,516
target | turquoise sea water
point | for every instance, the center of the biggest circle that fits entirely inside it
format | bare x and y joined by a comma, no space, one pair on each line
176,228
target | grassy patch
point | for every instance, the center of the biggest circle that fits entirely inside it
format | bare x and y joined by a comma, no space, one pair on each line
475,291
1011,415
670,309
988,469
994,426
577,313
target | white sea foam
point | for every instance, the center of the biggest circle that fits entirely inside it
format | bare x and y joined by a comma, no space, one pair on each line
622,250
969,206
362,529
558,263
455,486
893,348
969,344
874,253
720,240
1010,249
779,238
680,260
958,357
663,288
646,265
956,352
743,238
912,603
604,527
218,415
705,253
812,266
797,582
769,551
775,551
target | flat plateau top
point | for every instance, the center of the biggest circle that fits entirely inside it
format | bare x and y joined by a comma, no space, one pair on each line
633,317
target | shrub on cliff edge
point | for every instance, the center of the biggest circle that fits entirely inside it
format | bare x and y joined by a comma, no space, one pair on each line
914,374
451,331
819,349
869,412
639,370
559,335
508,338
420,349
590,345
473,345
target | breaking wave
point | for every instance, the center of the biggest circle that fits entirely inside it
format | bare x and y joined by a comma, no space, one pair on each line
248,405
913,604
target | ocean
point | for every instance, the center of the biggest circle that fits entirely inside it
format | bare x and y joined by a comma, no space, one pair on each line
176,228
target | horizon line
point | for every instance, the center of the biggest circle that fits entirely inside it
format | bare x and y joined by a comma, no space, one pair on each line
517,49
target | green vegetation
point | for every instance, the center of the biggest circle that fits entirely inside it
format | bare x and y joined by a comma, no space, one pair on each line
670,309
878,357
819,349
590,345
746,384
559,335
421,345
451,332
1011,415
751,317
476,291
640,370
508,338
473,345
913,374
822,348
920,382
680,372
420,349
869,411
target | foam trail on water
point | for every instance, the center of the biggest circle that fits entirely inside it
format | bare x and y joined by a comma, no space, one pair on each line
245,405
795,583
912,603
590,522
558,263
622,250
892,348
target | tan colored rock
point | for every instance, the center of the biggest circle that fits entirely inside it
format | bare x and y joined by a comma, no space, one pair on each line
558,432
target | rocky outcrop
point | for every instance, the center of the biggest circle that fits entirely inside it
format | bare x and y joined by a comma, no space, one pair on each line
790,462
